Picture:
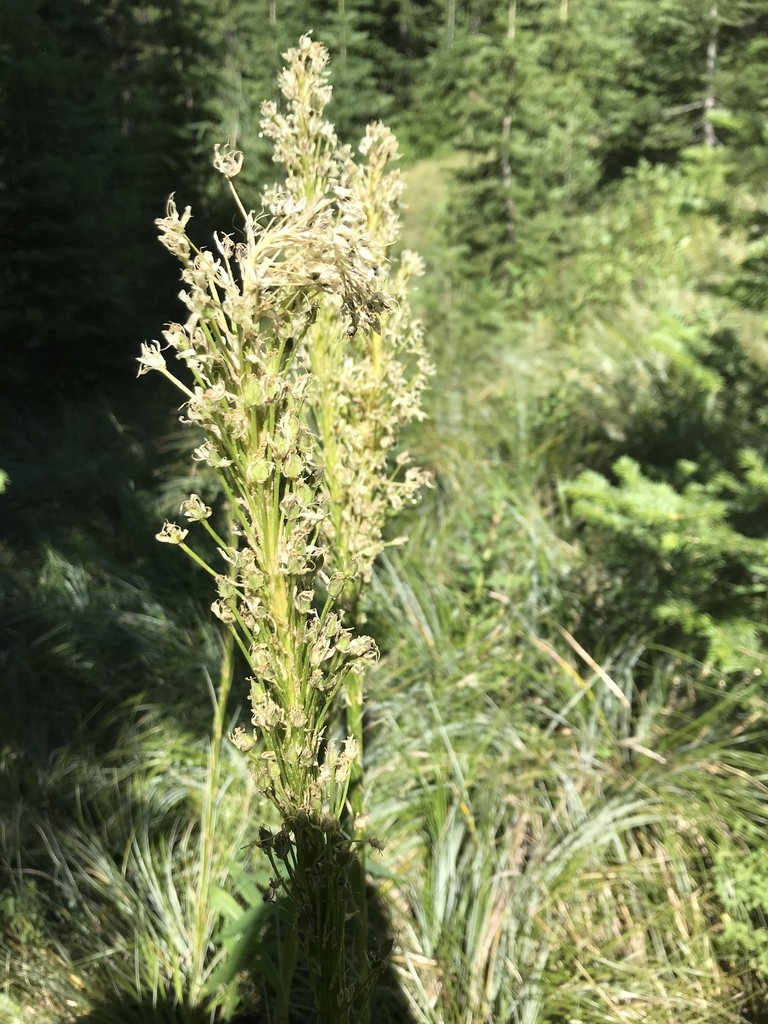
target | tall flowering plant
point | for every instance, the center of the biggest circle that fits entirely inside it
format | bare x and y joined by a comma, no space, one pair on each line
305,363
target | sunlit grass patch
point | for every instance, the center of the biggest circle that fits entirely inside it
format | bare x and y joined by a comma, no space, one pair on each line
427,187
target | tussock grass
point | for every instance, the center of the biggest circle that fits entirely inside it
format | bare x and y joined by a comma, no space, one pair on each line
549,854
127,866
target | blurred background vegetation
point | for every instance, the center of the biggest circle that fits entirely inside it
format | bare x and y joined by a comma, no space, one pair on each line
568,752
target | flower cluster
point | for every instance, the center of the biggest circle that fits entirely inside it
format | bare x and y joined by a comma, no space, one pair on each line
369,383
250,308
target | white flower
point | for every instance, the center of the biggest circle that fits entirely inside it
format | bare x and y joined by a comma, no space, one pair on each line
151,358
171,533
228,162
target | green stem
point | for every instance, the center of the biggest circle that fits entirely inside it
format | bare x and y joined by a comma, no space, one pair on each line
201,932
196,558
322,925
357,873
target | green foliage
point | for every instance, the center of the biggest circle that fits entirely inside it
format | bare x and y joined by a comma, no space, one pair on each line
565,739
741,881
129,905
678,552
529,128
21,917
546,824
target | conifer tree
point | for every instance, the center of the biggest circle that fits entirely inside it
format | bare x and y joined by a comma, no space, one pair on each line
529,127
104,104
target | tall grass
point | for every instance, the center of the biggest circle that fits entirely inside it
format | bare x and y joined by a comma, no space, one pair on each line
548,848
119,900
551,851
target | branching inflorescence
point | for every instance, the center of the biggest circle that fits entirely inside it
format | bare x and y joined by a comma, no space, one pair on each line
370,376
306,364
